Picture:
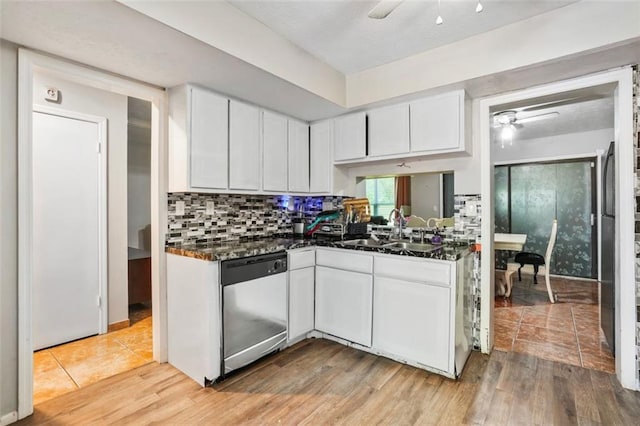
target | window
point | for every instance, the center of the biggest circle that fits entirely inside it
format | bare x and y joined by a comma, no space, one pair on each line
382,195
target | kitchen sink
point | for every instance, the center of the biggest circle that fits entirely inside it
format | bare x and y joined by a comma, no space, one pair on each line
362,242
400,245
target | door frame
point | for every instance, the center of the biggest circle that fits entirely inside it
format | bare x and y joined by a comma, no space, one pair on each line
622,79
28,62
103,142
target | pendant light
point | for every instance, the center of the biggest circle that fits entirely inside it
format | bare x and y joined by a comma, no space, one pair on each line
439,19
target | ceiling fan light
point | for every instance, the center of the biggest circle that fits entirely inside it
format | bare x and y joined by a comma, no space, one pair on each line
506,134
479,7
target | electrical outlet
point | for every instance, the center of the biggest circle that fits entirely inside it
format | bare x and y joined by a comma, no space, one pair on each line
52,94
179,208
210,208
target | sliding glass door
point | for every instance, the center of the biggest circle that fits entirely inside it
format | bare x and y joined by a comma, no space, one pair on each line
530,196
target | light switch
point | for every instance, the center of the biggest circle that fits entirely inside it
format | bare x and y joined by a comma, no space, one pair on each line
211,210
179,208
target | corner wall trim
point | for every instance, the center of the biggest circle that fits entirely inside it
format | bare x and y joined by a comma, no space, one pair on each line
9,418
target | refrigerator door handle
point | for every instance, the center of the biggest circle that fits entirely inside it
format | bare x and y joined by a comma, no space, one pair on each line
593,219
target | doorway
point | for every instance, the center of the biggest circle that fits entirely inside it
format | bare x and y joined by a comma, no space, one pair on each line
620,84
31,93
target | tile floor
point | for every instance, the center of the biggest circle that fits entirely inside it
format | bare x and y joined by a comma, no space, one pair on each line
62,369
567,331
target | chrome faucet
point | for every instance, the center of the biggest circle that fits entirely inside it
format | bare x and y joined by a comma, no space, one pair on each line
400,220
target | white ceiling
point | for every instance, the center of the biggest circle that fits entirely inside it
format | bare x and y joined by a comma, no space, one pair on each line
112,37
587,110
341,34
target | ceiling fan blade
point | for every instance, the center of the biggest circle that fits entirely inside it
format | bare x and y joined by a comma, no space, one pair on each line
537,117
562,102
383,9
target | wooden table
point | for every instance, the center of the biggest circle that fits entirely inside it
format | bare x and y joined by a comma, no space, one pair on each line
514,242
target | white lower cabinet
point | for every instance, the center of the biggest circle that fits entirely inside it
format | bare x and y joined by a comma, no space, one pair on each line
412,321
344,304
194,317
301,301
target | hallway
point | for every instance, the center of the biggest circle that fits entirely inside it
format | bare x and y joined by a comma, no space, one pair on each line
567,331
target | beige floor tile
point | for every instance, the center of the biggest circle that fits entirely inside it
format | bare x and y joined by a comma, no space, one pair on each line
85,349
109,364
50,383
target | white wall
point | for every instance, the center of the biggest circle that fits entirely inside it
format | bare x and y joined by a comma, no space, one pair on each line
92,101
425,195
8,228
139,185
572,144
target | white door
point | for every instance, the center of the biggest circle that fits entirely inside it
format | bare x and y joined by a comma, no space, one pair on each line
67,215
389,130
412,321
344,304
301,301
298,156
350,137
274,136
320,163
244,146
209,139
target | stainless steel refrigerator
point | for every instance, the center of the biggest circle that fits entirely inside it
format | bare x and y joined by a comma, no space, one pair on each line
608,230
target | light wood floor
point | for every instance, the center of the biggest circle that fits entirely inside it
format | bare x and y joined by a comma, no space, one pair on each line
322,382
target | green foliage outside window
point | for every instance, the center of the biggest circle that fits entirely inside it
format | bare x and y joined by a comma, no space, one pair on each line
382,195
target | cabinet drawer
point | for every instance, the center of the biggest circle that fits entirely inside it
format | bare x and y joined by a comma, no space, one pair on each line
301,259
426,271
343,259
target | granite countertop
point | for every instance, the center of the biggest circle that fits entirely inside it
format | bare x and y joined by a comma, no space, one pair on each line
235,249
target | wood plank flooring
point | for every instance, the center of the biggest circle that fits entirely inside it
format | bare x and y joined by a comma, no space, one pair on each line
321,382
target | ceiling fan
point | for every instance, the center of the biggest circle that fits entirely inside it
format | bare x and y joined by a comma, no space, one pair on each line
510,120
385,7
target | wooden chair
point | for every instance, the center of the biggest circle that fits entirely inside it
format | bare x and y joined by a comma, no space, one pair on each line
532,263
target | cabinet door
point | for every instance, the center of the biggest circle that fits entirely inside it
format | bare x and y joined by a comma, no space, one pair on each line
389,130
437,123
350,134
343,304
298,156
274,131
244,146
301,301
209,140
412,321
320,157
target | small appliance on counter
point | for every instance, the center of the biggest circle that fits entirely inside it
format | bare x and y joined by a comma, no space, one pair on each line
298,227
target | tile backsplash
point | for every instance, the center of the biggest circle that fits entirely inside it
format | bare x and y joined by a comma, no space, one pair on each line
237,217
468,220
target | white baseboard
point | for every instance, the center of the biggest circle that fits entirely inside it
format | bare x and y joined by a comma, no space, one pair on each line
9,418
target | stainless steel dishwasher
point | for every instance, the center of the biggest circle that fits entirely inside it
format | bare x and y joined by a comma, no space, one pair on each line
254,307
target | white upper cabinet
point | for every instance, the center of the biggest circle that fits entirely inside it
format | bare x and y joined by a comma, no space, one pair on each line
350,132
274,132
438,123
320,163
244,146
298,156
198,140
389,130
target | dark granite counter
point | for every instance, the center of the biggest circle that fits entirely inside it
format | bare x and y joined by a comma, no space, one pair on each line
235,249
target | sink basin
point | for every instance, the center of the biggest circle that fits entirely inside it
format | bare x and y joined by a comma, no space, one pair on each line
400,245
362,242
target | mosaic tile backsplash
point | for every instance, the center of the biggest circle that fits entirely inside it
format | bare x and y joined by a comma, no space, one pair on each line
238,217
636,145
468,220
